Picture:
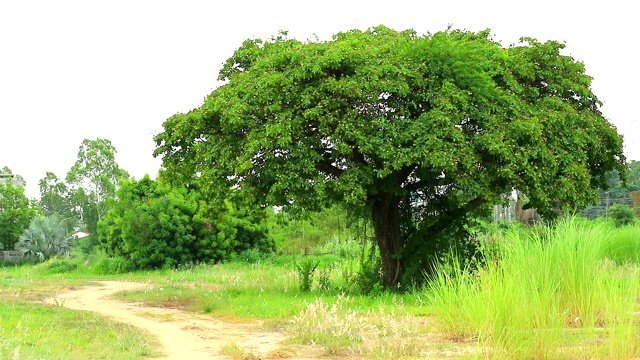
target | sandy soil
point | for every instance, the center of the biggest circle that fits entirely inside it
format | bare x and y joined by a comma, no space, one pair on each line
182,335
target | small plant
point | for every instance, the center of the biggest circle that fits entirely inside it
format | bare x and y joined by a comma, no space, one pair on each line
306,269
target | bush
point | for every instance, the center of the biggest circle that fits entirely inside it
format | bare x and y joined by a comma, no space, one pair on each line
57,266
45,238
622,215
112,266
156,225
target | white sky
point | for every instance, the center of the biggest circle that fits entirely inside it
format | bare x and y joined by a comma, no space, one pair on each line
71,70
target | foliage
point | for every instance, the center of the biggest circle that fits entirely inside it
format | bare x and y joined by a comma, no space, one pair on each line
416,132
155,225
622,215
56,266
616,188
306,269
92,182
16,213
45,238
55,200
299,234
17,178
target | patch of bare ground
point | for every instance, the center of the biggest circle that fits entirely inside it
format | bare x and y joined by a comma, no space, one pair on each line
183,335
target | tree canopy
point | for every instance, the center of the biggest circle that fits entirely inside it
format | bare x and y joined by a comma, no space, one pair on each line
417,131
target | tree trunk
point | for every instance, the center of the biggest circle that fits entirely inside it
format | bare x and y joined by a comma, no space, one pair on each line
386,222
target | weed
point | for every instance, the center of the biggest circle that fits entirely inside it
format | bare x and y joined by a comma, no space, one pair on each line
306,269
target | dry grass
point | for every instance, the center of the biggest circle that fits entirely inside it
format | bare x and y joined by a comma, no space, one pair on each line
381,334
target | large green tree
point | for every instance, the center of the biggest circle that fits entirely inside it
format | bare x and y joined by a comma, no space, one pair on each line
418,131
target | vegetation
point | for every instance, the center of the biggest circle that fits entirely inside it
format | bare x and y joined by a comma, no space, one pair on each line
55,200
45,238
622,215
563,291
382,150
93,181
515,303
619,190
417,133
155,225
31,331
16,213
83,200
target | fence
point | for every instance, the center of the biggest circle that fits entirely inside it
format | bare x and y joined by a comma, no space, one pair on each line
11,256
602,209
508,213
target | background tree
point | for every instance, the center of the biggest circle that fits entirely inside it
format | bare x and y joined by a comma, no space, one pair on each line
55,200
16,213
416,132
93,180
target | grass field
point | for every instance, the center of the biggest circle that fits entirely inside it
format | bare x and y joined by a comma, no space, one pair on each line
567,292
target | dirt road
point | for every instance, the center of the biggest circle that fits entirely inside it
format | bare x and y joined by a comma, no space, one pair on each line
182,335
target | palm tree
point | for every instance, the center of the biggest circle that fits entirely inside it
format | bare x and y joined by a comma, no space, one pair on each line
46,237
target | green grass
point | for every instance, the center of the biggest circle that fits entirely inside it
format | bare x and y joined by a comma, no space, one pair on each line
249,291
563,292
547,295
29,331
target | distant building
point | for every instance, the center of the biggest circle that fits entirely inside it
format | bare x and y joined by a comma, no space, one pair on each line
10,177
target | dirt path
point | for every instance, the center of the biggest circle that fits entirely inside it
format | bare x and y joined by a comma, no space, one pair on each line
182,335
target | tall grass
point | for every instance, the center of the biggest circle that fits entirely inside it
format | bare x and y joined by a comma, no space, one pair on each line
548,294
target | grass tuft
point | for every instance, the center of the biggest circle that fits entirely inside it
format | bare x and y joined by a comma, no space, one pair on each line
546,294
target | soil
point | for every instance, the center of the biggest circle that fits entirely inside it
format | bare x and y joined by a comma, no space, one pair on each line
182,335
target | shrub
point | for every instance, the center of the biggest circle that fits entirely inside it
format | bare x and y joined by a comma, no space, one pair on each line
156,225
621,215
57,266
46,237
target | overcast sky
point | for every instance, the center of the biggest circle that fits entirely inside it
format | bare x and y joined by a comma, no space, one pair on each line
71,70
